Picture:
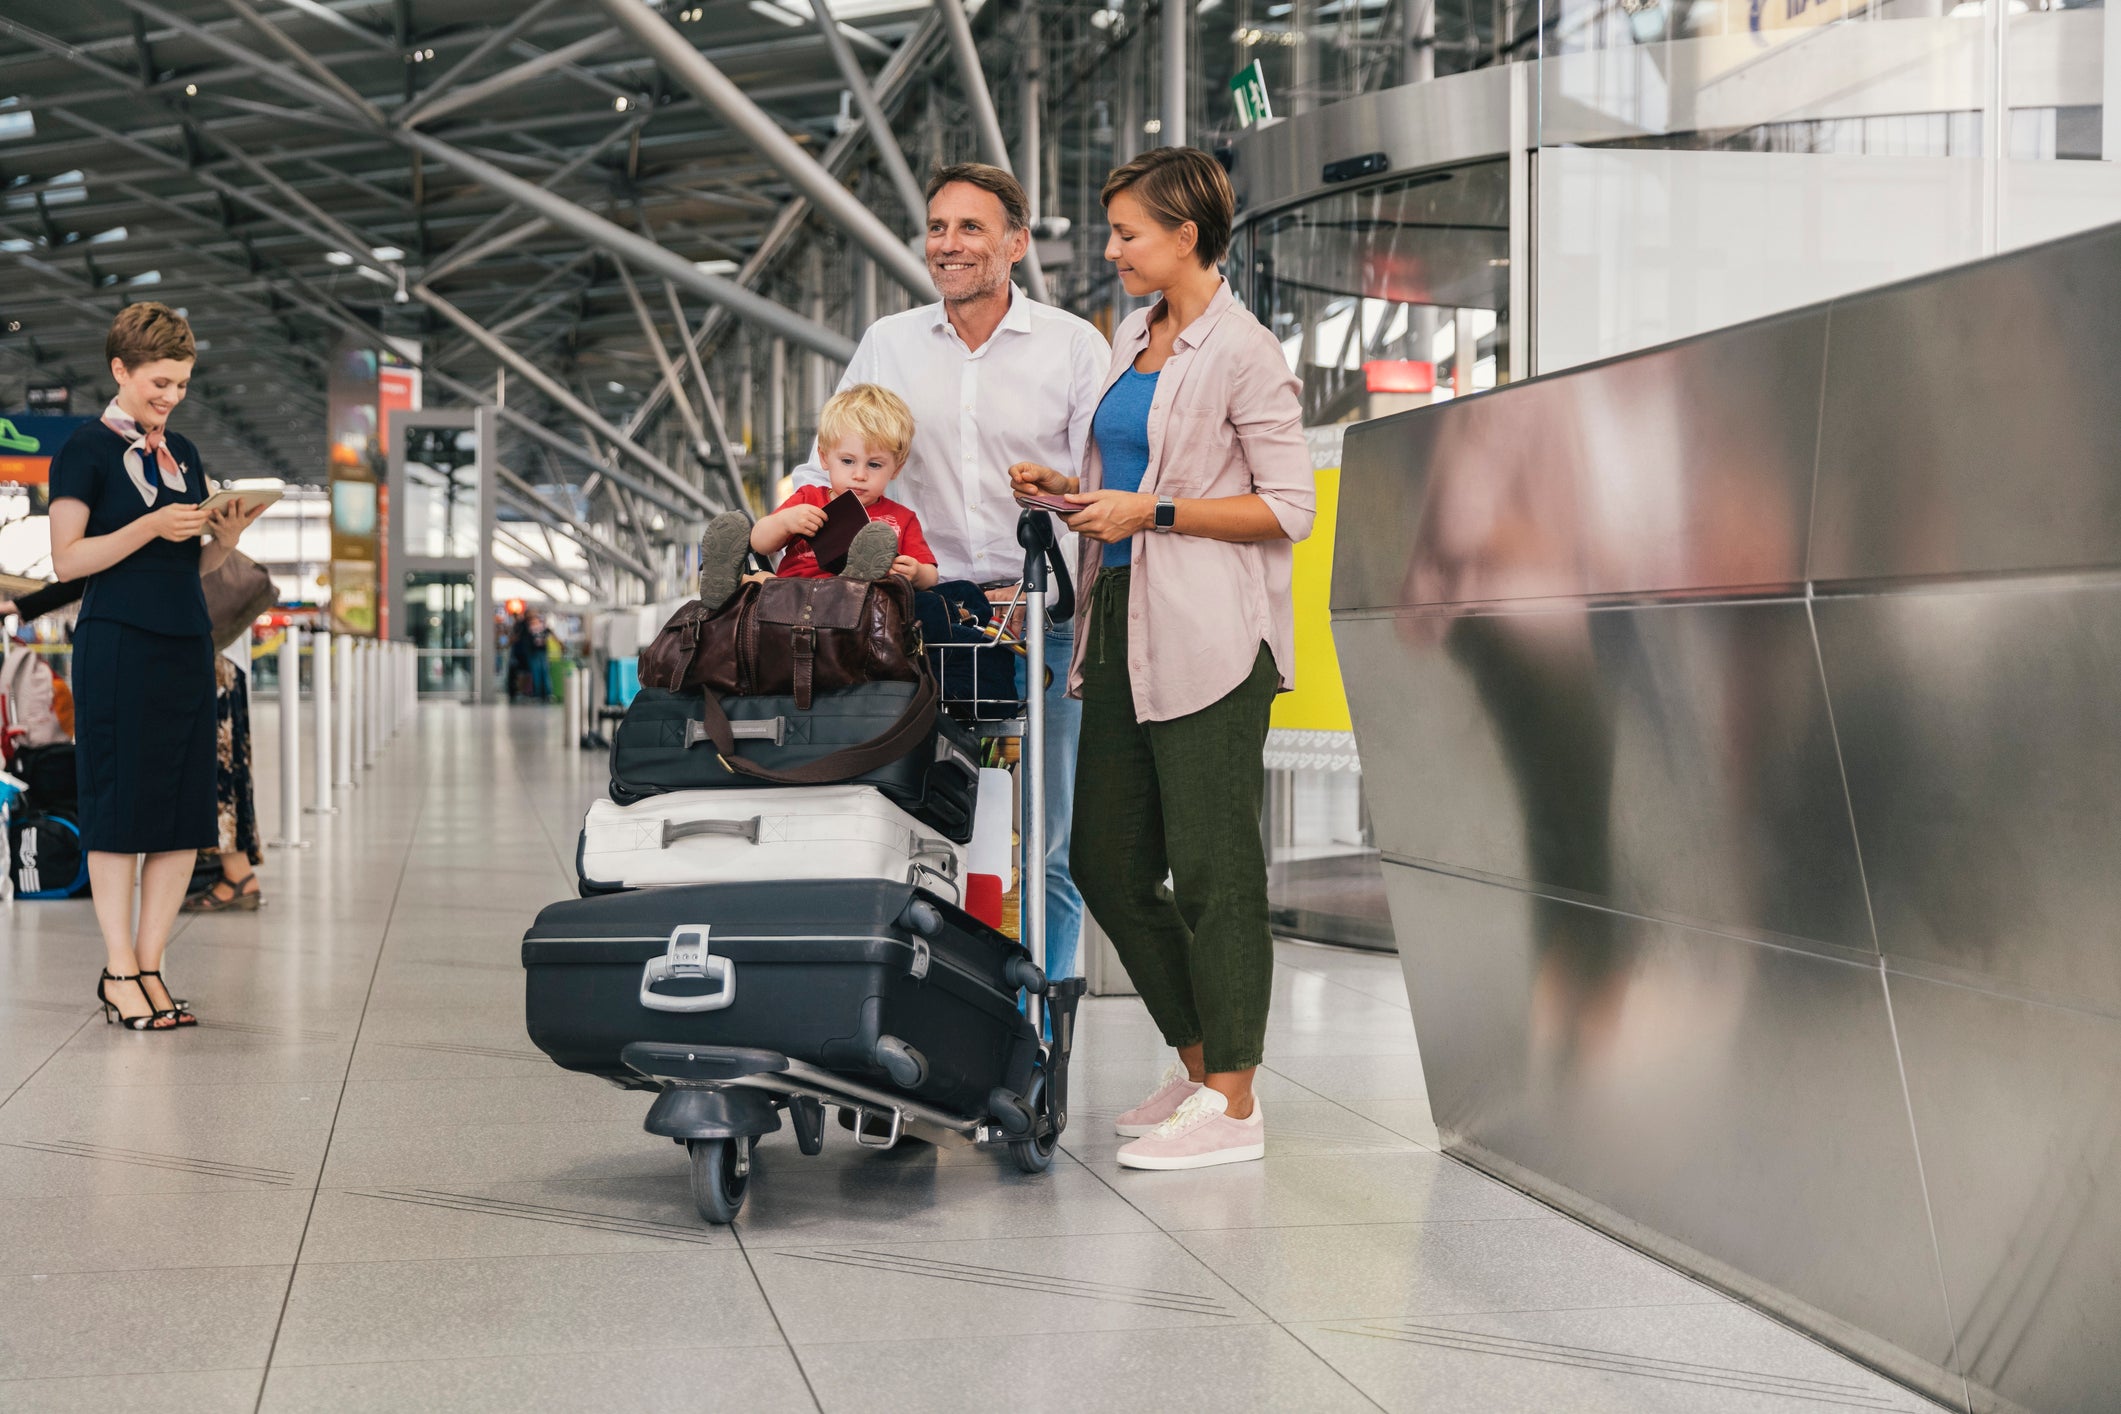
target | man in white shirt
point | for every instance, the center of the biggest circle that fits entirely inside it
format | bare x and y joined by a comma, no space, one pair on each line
993,378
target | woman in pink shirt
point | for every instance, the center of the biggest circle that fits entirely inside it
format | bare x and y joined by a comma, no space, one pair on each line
1194,487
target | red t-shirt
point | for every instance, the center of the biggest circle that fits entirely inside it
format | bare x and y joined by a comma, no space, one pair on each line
798,561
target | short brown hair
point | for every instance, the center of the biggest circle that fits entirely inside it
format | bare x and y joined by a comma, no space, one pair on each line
1016,207
147,332
1181,184
870,412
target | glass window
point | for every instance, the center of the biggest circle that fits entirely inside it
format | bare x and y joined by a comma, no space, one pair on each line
1373,292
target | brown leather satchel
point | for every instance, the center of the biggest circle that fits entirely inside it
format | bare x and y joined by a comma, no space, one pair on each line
237,591
798,637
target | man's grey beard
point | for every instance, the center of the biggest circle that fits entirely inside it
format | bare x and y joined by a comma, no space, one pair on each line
986,289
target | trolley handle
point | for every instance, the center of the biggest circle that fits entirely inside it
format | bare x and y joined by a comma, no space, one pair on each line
1034,531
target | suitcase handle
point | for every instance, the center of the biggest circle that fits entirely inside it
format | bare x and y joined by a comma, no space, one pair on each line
688,959
773,729
686,829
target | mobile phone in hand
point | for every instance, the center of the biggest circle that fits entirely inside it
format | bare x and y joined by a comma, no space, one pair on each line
1059,505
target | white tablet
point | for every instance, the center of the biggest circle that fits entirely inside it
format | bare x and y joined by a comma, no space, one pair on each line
250,499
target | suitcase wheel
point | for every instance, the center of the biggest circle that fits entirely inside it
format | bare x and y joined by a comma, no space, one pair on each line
721,1175
1035,1155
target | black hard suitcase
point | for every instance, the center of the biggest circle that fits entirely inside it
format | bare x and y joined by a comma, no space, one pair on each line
868,978
658,748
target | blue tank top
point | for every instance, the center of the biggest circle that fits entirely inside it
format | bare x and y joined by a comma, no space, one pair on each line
1121,427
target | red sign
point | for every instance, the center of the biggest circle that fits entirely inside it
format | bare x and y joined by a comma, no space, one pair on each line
1399,375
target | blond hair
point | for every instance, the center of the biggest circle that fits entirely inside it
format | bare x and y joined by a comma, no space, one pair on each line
871,413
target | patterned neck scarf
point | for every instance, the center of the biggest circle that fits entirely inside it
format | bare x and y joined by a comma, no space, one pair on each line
157,442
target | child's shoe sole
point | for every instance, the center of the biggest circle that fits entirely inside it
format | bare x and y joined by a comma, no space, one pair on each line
722,551
875,547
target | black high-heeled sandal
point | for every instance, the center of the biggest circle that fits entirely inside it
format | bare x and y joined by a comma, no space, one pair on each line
113,1012
178,1007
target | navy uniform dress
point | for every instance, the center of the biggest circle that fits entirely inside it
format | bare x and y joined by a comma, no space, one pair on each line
143,674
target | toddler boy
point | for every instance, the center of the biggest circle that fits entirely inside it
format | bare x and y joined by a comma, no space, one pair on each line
863,437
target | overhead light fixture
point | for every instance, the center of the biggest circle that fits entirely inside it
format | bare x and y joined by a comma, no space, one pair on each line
614,387
778,15
715,267
191,90
387,253
338,257
146,277
622,103
1153,126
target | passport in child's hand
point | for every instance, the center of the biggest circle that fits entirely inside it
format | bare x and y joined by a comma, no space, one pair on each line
843,517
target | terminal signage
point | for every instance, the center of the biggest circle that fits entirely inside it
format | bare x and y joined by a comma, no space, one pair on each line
1248,89
27,443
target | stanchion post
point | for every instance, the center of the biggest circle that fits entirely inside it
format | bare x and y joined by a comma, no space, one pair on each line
343,717
571,708
370,745
320,687
290,740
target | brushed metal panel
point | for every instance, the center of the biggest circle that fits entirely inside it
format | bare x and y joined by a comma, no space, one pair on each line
1743,1099
1674,760
1460,118
1676,471
1919,475
2019,1111
1983,755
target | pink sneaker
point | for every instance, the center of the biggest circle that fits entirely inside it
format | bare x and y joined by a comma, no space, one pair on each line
1198,1134
1170,1093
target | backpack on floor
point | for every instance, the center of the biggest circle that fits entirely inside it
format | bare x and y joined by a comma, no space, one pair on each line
49,861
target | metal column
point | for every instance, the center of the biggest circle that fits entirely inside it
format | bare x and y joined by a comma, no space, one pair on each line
1172,104
996,151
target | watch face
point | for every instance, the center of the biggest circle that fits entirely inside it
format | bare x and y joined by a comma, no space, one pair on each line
1166,515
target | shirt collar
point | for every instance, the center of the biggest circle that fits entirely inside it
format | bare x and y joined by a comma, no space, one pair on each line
1017,320
1200,328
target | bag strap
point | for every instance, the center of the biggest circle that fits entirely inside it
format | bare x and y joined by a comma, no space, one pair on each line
1062,606
910,730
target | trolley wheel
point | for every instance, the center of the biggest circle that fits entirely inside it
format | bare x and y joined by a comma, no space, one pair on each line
1035,1155
721,1173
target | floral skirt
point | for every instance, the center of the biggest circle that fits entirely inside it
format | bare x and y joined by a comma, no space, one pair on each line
236,801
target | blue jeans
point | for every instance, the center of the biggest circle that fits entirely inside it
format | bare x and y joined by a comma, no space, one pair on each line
1064,717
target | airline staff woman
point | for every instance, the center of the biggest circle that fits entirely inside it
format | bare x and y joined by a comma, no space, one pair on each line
126,517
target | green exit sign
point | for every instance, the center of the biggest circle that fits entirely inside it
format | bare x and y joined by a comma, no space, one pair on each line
1248,89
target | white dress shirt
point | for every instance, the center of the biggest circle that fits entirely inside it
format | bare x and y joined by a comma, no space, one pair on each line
1027,394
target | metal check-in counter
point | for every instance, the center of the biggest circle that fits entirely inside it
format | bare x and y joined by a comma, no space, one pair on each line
1741,722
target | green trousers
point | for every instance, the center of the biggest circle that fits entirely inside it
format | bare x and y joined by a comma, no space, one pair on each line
1178,799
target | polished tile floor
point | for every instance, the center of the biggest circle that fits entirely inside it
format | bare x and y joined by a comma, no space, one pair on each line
356,1186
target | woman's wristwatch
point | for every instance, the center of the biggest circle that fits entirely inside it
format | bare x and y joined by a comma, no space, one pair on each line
1166,515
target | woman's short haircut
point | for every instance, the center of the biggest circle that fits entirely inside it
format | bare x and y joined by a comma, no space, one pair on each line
871,414
1177,185
1016,207
146,333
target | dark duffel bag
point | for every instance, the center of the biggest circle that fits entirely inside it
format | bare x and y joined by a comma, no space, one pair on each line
49,861
868,978
663,744
48,773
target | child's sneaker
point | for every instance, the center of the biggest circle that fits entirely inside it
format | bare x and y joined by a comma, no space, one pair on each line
1169,1094
1199,1134
722,550
870,555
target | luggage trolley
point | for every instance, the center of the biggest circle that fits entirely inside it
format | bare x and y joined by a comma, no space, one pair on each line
720,1100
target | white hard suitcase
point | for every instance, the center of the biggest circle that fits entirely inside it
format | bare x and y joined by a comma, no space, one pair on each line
780,833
